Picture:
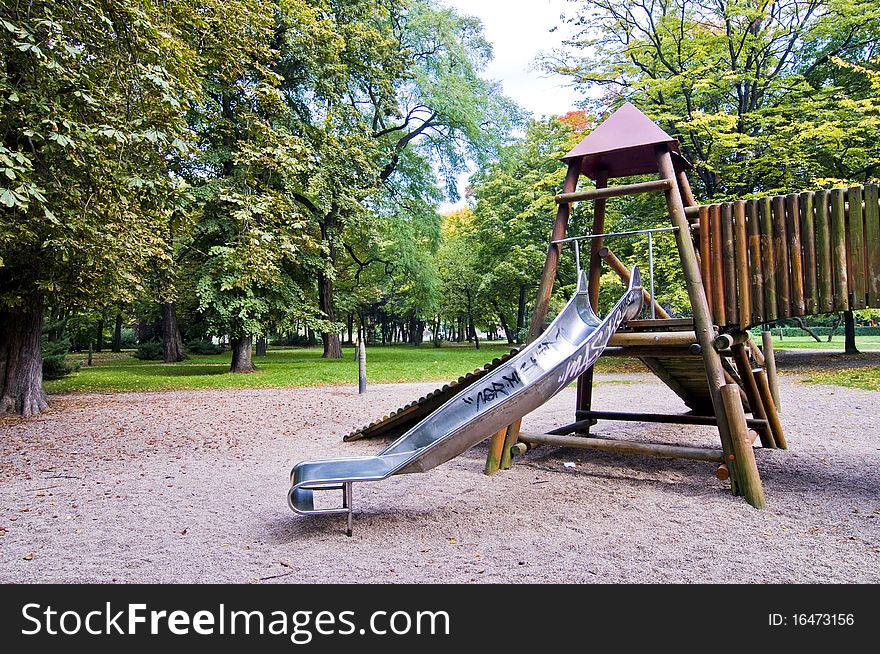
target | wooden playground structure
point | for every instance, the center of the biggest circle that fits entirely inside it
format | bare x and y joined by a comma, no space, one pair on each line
745,263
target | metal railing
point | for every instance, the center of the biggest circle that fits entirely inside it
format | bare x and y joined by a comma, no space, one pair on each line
576,240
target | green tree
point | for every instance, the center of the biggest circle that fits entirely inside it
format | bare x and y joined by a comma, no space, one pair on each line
91,107
425,123
763,97
513,207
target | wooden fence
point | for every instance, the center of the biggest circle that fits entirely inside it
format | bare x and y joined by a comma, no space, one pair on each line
792,255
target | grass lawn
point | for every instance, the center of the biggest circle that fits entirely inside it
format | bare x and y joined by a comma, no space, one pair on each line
806,342
867,379
289,367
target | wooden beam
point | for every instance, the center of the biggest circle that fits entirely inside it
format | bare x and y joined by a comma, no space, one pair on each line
677,339
744,368
661,418
626,447
697,295
617,266
770,408
652,186
824,252
584,396
770,365
743,454
641,351
743,273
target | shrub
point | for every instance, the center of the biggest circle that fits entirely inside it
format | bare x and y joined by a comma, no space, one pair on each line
150,351
55,363
204,347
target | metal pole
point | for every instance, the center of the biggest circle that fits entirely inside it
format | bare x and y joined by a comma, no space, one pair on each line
362,362
603,235
651,271
577,259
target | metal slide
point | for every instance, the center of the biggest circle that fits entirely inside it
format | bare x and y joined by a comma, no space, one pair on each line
571,344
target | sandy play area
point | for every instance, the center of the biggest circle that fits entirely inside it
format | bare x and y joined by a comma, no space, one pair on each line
191,487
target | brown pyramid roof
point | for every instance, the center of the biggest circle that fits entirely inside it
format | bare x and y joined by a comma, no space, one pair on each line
623,145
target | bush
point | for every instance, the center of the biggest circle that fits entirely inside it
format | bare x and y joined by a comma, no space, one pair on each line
55,363
204,347
295,340
128,339
150,351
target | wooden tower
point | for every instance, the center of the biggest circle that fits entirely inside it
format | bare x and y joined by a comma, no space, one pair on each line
692,356
745,263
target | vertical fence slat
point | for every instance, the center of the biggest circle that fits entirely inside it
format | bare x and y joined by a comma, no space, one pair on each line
741,250
856,231
768,254
824,257
780,234
808,245
729,263
795,256
755,264
706,255
872,244
717,271
838,249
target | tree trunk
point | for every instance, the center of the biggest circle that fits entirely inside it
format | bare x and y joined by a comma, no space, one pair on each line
504,325
849,332
834,327
171,341
803,325
332,345
242,360
473,327
21,360
262,346
99,336
521,314
117,334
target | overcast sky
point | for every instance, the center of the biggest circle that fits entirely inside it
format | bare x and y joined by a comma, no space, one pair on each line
519,30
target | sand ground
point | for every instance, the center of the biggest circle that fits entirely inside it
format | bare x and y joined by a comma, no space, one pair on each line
191,486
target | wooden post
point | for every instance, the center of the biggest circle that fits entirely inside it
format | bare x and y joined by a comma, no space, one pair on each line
768,255
626,447
718,304
743,276
770,365
684,185
755,264
728,264
705,332
706,256
795,256
743,454
744,368
617,266
770,407
780,234
504,439
856,232
808,244
585,381
838,249
872,244
824,257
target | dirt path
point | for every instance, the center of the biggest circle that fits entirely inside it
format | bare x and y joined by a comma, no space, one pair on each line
190,486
